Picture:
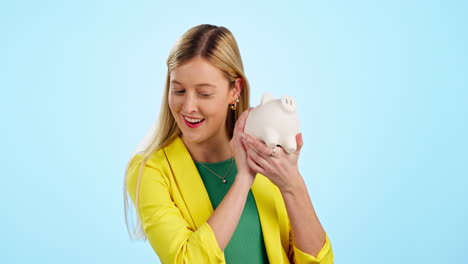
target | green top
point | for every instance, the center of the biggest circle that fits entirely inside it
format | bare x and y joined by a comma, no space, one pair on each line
246,244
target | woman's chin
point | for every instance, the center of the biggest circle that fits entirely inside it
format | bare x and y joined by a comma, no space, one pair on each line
191,137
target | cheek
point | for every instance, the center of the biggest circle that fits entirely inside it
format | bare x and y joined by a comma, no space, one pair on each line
173,107
173,104
216,110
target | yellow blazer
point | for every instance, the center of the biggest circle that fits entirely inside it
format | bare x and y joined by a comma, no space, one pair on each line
174,207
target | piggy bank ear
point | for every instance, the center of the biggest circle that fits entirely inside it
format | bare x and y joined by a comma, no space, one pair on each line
288,103
266,97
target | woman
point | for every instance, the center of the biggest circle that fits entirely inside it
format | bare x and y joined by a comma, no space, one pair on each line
205,192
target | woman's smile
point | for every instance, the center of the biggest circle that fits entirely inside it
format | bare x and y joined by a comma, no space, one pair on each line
193,122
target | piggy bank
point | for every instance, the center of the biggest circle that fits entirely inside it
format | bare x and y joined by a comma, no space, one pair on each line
275,121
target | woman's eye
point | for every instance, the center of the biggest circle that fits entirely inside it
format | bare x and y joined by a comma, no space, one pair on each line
180,92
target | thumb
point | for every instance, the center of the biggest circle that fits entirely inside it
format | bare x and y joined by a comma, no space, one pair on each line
300,143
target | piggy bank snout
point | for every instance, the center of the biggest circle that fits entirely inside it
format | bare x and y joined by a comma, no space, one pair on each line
288,103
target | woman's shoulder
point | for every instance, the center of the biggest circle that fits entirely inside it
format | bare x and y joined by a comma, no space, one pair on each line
152,169
156,160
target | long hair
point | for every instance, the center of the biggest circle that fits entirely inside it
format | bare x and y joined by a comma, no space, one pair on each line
218,46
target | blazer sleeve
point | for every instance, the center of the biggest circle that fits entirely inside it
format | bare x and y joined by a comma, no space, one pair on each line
169,234
325,255
295,255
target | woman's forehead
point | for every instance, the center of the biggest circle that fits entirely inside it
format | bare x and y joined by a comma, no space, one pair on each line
197,72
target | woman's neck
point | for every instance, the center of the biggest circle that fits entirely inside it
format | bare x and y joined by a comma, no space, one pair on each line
215,149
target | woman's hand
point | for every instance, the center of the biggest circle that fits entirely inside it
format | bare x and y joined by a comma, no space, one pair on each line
281,168
240,150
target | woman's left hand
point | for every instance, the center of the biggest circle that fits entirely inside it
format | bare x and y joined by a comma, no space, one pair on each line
281,168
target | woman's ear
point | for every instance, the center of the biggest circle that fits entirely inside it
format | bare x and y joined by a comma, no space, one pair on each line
234,93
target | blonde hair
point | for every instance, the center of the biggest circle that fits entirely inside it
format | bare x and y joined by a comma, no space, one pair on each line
218,46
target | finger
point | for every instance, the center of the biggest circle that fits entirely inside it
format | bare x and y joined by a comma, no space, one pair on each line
262,162
254,166
238,127
258,146
300,143
240,123
244,144
243,119
244,114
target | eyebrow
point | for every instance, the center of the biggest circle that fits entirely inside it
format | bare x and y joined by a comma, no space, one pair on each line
196,85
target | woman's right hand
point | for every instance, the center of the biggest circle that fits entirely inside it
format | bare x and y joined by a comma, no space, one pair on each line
240,151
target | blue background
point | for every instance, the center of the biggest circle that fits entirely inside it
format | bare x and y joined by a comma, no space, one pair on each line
382,94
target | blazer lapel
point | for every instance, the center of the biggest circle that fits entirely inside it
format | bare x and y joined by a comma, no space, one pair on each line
189,181
261,190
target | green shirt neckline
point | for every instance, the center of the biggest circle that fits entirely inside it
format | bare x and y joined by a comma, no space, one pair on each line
247,244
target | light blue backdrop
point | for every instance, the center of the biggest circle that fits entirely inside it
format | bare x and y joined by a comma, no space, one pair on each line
382,94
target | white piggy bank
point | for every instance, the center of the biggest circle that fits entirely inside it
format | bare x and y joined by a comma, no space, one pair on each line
275,121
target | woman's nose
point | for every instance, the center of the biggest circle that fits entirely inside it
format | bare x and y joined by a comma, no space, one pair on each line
190,103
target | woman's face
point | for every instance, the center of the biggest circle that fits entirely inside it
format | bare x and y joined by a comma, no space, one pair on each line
199,95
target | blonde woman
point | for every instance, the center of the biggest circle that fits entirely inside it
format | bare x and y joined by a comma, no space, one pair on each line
203,191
